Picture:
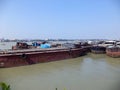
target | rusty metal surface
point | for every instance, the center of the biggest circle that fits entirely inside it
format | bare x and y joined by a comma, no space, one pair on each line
28,57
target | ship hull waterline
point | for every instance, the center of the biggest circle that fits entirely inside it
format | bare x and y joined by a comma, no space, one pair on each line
21,59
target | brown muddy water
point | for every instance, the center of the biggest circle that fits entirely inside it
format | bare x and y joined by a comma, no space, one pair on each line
90,72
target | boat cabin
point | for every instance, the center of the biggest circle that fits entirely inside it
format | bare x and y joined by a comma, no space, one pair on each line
107,43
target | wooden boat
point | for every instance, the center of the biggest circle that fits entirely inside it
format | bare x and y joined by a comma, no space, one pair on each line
98,49
13,58
113,51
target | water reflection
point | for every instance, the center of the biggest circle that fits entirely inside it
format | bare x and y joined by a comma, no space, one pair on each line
113,61
91,72
96,56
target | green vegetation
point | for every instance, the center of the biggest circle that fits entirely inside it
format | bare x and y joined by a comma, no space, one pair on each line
57,89
4,86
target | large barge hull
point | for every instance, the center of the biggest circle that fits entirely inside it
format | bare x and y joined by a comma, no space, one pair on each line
28,57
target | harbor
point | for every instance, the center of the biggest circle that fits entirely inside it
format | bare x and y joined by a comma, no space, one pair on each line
92,71
59,45
23,53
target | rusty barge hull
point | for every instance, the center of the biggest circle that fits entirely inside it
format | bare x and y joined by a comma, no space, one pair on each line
113,51
113,54
28,57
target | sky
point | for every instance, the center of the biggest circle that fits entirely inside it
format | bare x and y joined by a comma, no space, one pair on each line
60,19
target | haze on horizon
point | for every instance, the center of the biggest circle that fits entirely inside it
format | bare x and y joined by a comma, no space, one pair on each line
68,19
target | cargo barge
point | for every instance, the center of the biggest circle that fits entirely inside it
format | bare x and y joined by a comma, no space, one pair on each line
13,58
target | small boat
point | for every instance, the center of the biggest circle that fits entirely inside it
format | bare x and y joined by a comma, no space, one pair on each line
98,49
113,51
107,43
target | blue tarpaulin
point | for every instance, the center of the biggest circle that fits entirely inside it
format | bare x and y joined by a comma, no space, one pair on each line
45,46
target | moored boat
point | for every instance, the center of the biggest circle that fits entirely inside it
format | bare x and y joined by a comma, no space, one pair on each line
12,58
113,51
98,49
107,43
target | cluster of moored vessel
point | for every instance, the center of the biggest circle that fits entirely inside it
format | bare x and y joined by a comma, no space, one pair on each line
111,48
39,52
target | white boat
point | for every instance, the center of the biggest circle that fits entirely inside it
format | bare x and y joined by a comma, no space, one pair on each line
107,43
118,44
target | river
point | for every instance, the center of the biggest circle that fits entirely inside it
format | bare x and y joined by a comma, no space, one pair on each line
89,72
